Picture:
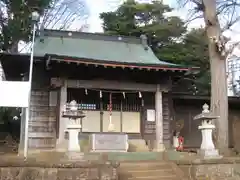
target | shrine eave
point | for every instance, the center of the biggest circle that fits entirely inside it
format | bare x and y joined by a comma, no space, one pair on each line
114,64
10,61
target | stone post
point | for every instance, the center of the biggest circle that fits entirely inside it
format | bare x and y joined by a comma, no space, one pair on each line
159,120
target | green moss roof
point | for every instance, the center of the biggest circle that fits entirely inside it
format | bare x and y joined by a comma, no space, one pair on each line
98,47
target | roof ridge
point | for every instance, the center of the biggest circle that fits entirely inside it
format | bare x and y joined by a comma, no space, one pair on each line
92,36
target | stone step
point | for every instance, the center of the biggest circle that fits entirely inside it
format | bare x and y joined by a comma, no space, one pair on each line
143,166
144,163
154,170
135,156
150,177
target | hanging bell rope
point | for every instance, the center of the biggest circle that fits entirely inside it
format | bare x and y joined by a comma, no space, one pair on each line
110,126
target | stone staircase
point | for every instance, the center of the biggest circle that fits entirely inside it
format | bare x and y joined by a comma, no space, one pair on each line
150,171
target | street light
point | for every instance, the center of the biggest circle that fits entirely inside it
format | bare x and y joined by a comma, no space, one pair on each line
35,18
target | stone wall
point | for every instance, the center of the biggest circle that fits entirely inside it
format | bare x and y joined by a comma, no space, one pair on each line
67,171
211,169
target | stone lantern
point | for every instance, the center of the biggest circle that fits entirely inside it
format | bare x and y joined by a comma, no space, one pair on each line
207,149
74,125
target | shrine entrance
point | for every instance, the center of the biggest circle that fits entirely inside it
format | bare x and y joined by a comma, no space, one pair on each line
124,108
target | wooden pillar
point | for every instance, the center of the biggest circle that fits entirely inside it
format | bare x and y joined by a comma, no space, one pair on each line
58,115
61,142
101,115
121,116
159,120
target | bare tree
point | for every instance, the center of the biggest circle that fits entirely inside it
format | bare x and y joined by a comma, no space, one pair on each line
65,15
219,16
15,24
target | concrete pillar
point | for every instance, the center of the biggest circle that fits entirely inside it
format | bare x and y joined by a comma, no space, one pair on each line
159,120
61,141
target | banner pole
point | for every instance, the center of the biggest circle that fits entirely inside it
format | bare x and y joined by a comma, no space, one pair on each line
29,93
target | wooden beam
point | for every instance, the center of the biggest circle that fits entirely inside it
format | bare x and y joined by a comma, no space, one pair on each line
114,85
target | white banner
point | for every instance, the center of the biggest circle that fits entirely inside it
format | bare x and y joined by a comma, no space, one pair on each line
14,93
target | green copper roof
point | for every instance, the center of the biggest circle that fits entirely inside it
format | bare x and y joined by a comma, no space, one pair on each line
96,47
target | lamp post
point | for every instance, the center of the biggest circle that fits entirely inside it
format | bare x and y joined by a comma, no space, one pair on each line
35,18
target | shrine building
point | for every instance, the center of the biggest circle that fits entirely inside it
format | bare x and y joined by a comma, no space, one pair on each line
106,75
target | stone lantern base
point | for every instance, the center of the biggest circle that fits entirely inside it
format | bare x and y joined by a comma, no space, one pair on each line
74,150
209,154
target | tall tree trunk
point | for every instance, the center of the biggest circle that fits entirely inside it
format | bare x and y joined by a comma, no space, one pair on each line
219,97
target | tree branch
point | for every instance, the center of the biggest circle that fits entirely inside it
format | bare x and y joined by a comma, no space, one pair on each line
63,13
230,24
231,48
